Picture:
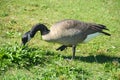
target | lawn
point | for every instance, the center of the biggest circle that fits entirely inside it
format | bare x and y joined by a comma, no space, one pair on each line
38,60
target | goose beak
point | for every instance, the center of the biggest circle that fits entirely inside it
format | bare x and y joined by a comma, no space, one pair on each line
25,38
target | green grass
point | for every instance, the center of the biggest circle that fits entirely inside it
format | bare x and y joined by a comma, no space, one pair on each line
97,60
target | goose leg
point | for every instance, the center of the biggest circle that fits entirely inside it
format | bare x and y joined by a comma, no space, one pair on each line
73,50
61,48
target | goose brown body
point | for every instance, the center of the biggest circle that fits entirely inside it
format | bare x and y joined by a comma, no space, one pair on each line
71,32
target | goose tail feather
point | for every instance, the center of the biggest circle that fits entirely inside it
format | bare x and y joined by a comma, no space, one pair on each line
103,27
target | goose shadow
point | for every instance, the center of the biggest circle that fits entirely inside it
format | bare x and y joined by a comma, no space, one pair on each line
98,58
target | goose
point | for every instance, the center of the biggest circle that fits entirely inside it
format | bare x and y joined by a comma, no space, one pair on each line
67,32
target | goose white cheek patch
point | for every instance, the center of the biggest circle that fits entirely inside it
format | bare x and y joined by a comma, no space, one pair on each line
91,36
29,38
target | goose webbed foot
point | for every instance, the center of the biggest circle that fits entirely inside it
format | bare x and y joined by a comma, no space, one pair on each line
61,48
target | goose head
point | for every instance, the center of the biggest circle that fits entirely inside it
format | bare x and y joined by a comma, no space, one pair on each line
30,34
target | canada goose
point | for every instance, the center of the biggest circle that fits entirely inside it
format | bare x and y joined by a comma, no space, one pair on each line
67,32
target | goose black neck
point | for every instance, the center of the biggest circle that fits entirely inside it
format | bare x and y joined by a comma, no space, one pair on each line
39,27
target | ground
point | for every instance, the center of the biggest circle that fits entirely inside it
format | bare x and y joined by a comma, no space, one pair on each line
38,60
